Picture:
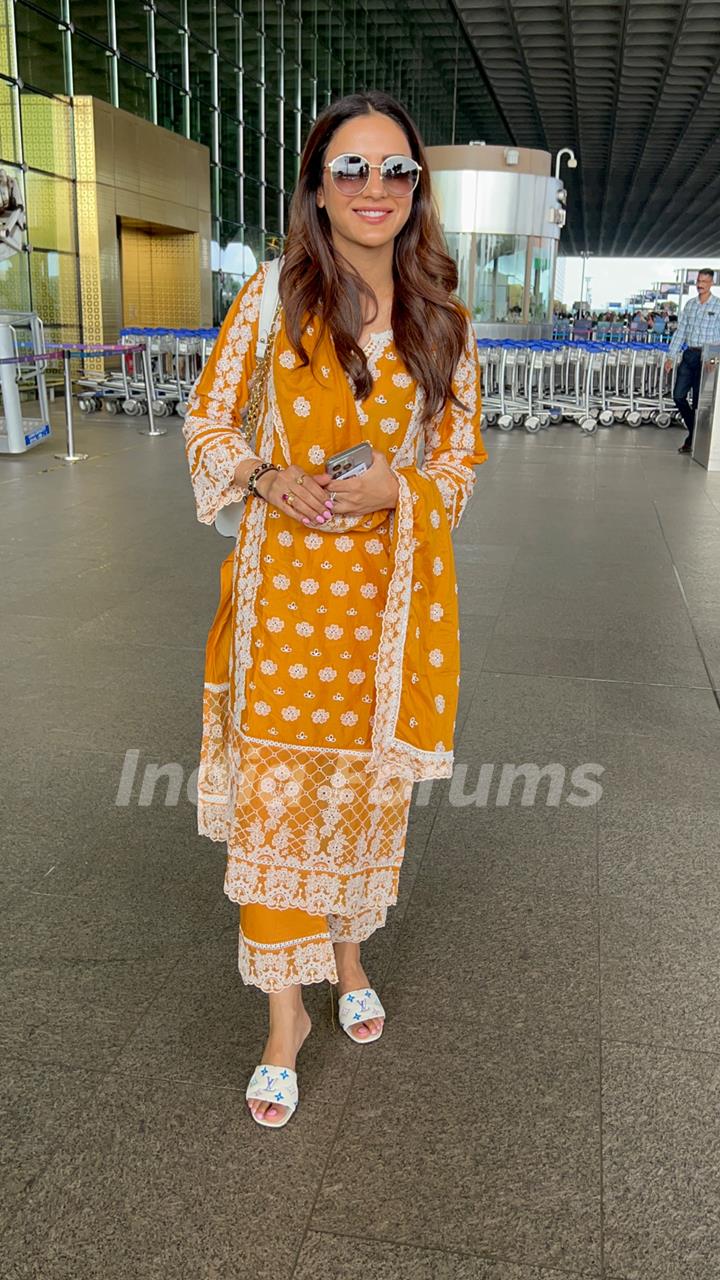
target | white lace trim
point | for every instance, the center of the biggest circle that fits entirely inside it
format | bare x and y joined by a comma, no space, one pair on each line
213,443
272,966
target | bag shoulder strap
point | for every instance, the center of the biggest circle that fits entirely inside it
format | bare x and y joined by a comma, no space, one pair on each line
268,306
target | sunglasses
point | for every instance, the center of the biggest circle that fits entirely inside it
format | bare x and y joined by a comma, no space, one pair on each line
351,174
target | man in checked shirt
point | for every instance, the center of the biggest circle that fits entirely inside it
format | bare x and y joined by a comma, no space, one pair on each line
699,324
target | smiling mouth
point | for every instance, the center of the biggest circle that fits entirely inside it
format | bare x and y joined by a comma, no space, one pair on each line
373,215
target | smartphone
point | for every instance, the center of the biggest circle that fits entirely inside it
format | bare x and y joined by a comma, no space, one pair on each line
350,462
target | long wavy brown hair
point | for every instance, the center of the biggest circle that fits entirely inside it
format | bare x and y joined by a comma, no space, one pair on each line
428,323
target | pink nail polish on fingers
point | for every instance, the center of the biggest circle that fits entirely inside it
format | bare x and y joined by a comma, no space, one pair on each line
305,520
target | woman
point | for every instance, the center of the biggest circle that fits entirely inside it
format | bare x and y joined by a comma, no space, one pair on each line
332,665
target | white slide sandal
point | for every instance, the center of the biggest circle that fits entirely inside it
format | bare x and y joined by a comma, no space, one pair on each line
273,1084
360,1006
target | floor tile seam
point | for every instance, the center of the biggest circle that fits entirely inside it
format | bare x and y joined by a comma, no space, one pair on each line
492,1258
660,1047
554,675
713,686
56,1146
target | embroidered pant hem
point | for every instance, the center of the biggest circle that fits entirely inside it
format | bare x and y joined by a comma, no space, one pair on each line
279,949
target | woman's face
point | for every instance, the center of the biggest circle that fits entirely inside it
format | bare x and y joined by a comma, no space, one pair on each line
372,219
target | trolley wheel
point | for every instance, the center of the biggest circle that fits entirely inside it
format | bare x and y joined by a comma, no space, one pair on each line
111,407
619,415
130,407
607,418
159,408
483,422
556,414
663,419
181,408
518,419
505,422
84,405
545,420
532,424
634,419
588,425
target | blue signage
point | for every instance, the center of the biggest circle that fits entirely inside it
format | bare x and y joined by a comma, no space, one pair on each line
34,436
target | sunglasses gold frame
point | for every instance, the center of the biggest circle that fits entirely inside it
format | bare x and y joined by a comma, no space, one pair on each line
357,156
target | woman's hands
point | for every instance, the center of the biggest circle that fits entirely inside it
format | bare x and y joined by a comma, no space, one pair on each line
375,490
298,494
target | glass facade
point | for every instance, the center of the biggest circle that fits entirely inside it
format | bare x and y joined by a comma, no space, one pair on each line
504,279
245,77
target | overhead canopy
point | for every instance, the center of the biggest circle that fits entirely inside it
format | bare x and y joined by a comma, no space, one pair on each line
634,87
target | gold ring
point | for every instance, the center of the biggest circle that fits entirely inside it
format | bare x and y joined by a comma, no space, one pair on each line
333,497
301,480
290,500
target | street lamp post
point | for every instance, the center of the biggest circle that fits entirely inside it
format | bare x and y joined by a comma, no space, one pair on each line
585,257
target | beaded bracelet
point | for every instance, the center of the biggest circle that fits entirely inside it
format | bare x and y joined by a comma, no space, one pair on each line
255,476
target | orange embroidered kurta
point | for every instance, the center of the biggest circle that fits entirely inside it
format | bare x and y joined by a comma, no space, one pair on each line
333,663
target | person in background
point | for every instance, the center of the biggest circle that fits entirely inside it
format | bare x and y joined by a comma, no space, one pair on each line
698,325
638,327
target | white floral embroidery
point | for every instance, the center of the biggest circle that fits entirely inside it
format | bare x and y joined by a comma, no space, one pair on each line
287,359
330,737
292,605
436,657
381,399
346,654
308,694
297,564
312,541
436,612
319,717
297,671
357,568
388,425
413,722
333,632
281,582
343,543
316,653
325,371
290,713
402,379
339,422
326,564
438,566
304,628
374,546
351,613
439,703
368,590
309,586
435,518
338,697
301,407
279,693
262,708
440,746
363,633
275,624
362,416
348,718
326,674
356,676
285,538
316,455
267,667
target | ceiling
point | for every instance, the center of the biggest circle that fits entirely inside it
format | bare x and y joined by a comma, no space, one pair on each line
634,87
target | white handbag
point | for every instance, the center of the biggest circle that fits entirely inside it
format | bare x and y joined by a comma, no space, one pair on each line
227,520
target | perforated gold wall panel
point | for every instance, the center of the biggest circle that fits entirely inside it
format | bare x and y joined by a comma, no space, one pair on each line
160,278
47,133
7,39
87,221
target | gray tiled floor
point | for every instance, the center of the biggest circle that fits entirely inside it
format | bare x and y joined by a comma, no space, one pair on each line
544,1102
